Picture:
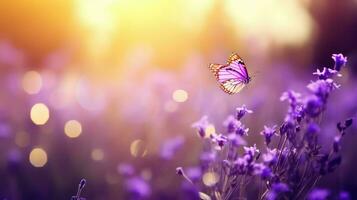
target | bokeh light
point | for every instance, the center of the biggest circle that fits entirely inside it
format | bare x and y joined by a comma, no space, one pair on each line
180,96
32,82
39,114
138,148
210,178
73,128
97,154
38,157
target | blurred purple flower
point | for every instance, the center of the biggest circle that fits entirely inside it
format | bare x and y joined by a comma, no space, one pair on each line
276,190
340,61
344,196
170,147
126,169
322,88
194,173
311,131
220,139
270,157
263,171
236,140
318,194
313,106
325,73
291,96
137,188
231,123
251,150
268,133
190,192
241,111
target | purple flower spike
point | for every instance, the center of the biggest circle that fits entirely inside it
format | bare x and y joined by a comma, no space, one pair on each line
220,139
340,61
251,150
231,123
291,96
318,194
268,133
322,88
241,111
313,106
325,73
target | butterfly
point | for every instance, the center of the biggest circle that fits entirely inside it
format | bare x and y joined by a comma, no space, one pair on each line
233,76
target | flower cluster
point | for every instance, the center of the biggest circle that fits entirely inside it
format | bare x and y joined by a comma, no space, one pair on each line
136,186
289,167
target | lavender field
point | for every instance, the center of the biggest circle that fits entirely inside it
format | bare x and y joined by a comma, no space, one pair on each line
114,99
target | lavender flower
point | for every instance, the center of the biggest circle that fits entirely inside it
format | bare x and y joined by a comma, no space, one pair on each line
231,123
268,133
344,196
325,73
220,139
276,190
313,106
241,111
318,194
270,157
137,188
340,61
125,169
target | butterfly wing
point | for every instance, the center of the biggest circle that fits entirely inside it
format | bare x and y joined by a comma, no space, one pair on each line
232,86
233,57
229,78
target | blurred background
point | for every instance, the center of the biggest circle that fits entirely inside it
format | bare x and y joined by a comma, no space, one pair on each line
100,88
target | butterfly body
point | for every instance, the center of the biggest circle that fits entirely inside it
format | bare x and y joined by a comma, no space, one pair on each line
233,76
